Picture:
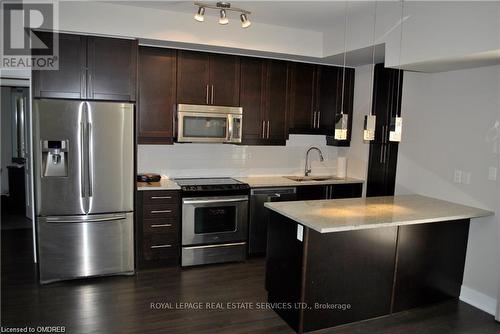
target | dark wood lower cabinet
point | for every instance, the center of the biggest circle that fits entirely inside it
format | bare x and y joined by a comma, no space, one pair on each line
157,228
330,279
431,260
382,164
329,191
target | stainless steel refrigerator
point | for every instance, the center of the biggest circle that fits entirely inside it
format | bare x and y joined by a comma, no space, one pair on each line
84,186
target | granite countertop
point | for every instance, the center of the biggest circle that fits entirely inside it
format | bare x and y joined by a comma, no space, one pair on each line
338,215
281,181
163,184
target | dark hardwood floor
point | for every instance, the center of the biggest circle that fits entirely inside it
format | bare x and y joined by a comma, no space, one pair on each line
123,304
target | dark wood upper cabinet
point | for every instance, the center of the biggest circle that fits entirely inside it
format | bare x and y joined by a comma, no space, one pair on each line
69,81
316,99
348,92
252,94
204,78
112,69
330,83
277,101
90,68
383,156
225,80
302,98
263,96
157,94
193,77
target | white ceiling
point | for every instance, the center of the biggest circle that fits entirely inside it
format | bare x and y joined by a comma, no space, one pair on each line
308,15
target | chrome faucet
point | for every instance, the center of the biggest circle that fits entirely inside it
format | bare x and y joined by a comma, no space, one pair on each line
307,169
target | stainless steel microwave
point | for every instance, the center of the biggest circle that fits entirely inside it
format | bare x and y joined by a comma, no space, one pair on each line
208,124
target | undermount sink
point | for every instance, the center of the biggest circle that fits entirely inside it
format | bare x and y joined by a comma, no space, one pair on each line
313,178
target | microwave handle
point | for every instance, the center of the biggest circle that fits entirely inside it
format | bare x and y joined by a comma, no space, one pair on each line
230,121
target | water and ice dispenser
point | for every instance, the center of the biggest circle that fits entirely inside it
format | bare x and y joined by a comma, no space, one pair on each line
54,158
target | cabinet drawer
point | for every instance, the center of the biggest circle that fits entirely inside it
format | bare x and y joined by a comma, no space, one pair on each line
160,211
165,225
160,247
160,197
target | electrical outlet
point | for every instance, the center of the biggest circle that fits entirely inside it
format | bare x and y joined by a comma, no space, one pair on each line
466,176
492,173
457,177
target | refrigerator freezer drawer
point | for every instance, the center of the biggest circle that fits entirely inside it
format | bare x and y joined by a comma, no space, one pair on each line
82,246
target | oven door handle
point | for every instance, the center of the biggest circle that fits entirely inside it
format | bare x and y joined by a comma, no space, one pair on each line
207,201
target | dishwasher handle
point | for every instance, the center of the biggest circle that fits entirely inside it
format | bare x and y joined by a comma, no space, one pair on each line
276,192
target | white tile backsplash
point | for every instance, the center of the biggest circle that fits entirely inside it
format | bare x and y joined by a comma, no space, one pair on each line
205,160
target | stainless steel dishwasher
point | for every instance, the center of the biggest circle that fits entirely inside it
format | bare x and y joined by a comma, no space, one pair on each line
257,231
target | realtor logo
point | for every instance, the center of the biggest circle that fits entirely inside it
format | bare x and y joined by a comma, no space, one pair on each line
22,44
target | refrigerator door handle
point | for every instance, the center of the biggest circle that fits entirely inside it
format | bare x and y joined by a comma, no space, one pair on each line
89,157
82,159
93,220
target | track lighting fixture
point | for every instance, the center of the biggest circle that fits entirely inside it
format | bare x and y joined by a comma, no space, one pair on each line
223,8
245,22
223,17
200,15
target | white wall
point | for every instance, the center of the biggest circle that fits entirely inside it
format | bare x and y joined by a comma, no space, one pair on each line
357,154
449,121
128,21
183,160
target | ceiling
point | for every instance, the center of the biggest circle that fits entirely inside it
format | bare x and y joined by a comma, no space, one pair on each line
308,15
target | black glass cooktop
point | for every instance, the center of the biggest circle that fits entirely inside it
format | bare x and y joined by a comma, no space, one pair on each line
210,184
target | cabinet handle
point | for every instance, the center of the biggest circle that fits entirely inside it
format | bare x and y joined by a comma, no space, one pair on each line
161,211
206,96
161,246
326,192
161,197
263,128
314,119
267,129
319,117
212,94
160,225
331,192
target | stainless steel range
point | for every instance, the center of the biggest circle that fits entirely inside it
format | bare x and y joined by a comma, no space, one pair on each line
214,220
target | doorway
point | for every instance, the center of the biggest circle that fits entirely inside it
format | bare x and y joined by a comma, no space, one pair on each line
15,178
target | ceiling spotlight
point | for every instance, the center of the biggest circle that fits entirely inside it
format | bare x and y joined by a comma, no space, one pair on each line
223,8
223,17
199,16
245,22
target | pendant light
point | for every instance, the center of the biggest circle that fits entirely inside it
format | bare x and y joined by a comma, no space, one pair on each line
371,119
341,123
396,125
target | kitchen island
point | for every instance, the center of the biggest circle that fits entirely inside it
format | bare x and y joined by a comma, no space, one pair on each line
331,262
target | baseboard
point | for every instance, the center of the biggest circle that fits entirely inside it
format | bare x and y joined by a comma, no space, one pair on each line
478,300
